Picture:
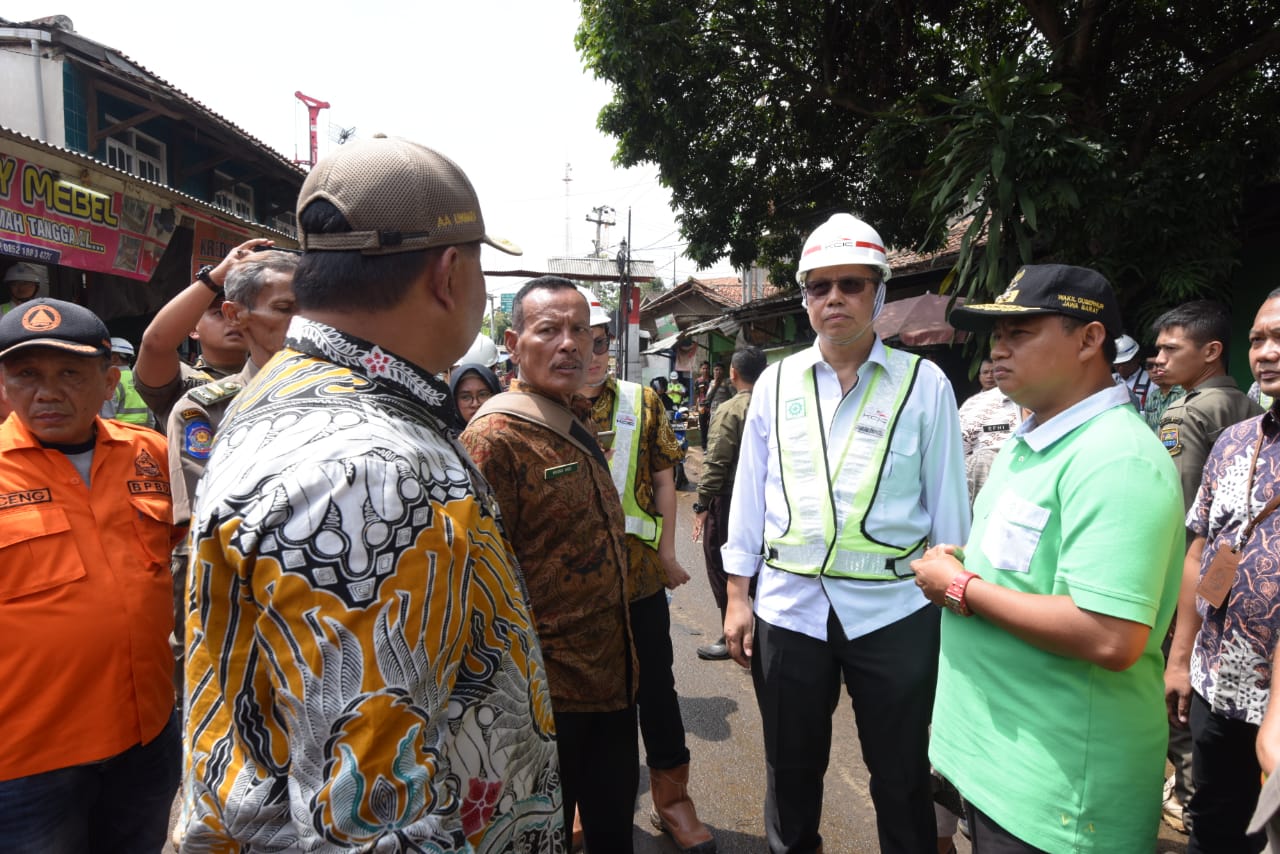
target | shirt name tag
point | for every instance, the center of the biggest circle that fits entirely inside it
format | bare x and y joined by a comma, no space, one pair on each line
559,471
995,428
144,487
21,499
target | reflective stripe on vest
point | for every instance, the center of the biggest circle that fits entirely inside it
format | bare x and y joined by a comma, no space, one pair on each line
628,422
810,545
130,406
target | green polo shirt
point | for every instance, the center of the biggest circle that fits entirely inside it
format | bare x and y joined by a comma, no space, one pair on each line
1064,754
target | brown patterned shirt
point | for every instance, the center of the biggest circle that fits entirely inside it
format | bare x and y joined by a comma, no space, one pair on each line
659,451
564,520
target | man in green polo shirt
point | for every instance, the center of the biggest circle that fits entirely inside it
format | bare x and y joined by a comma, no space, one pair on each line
1049,711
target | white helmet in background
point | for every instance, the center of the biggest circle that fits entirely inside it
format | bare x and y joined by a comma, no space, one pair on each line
844,239
122,345
599,317
483,352
1126,349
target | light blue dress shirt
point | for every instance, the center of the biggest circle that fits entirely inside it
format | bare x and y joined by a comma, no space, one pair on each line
922,494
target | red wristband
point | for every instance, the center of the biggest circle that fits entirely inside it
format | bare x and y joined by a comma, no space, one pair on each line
954,597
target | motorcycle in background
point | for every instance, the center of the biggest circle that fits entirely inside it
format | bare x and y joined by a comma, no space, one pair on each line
680,426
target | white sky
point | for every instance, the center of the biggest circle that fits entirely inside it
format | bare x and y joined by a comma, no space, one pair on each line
496,85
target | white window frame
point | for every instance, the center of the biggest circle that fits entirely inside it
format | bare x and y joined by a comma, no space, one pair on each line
123,152
234,198
285,221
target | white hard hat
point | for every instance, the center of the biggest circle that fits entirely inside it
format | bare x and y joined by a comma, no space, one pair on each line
122,345
483,352
24,272
675,375
1126,349
599,317
843,239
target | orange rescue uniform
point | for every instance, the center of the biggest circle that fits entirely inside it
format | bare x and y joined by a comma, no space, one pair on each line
85,599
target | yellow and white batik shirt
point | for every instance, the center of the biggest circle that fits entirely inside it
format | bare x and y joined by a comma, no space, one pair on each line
362,668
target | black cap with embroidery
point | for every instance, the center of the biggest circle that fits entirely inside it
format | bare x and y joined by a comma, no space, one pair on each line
55,324
1047,289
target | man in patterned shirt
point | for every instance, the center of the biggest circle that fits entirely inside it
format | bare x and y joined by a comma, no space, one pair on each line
362,668
987,420
1218,679
566,523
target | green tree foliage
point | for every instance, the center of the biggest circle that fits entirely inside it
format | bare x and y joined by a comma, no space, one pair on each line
1121,134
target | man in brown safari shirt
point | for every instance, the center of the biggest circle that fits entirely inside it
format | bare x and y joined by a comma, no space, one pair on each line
563,517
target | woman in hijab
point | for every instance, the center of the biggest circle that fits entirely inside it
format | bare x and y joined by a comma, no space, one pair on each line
472,385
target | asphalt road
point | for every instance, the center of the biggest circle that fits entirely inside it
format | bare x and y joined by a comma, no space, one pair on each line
723,730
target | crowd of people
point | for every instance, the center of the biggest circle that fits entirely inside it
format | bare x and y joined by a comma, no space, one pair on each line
357,591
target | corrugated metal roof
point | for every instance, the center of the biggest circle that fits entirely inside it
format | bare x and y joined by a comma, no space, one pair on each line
601,268
165,189
111,60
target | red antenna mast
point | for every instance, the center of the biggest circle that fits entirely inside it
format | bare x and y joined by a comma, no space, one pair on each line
313,111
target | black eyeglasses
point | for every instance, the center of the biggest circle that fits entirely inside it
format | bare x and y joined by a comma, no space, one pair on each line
600,346
474,397
850,286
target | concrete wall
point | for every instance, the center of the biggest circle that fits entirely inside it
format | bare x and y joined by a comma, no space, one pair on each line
24,80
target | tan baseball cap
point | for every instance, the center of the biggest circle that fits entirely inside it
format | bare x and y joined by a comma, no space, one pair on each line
398,196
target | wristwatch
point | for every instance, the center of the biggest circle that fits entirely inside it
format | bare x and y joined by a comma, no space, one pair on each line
699,507
954,597
203,275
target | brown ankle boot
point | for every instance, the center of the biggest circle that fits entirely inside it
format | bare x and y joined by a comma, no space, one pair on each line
673,812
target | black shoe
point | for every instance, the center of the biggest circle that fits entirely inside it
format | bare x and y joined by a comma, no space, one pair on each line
717,651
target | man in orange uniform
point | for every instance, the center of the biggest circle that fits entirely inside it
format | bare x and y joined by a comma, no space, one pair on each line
89,750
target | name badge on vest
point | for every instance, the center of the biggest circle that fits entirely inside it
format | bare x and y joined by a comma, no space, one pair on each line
559,471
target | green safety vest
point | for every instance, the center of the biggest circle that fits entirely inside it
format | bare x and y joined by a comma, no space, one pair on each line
811,545
628,426
130,407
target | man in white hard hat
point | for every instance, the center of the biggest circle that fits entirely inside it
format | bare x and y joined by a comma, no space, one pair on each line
850,464
125,404
1129,368
25,282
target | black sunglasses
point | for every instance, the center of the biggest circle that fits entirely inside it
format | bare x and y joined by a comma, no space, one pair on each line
850,286
600,346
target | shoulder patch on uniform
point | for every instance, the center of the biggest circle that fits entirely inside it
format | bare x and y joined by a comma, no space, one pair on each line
197,440
145,465
1169,438
215,392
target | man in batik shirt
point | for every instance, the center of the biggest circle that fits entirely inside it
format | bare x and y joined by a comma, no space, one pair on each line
1218,680
362,668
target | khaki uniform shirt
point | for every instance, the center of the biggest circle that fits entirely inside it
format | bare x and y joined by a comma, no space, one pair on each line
193,423
723,441
1193,423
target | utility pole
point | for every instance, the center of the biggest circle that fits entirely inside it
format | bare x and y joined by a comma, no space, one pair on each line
603,217
568,239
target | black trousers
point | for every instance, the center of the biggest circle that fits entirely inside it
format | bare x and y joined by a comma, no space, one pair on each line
1224,765
600,773
987,837
715,534
890,675
661,726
